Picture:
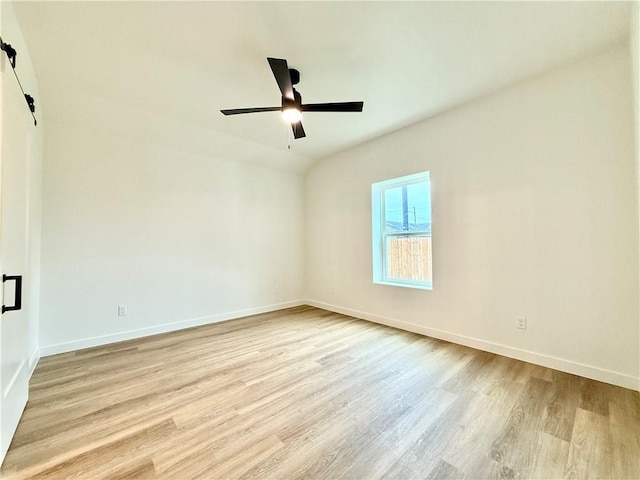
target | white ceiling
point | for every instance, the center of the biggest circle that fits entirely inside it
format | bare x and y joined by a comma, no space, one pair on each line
161,71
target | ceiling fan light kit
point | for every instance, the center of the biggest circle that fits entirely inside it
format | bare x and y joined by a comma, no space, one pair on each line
292,106
291,115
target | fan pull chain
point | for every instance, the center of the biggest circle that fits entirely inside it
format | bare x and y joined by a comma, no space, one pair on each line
288,139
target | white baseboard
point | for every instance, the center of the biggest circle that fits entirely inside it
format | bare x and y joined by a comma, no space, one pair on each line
29,365
14,378
33,361
568,366
48,350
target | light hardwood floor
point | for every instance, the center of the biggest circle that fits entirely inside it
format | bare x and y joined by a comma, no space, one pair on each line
305,393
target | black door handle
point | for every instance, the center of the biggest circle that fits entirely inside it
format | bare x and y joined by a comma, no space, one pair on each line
18,300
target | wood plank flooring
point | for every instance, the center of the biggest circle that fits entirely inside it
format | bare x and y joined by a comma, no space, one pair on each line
308,394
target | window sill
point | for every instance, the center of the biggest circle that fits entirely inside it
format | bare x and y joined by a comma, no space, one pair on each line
419,286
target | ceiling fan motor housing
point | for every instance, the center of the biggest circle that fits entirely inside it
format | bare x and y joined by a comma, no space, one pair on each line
295,76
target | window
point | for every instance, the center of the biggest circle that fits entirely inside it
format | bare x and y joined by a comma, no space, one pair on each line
401,210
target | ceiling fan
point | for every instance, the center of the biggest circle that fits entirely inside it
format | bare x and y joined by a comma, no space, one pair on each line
292,106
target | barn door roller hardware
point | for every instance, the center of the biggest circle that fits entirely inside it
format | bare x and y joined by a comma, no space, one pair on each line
11,55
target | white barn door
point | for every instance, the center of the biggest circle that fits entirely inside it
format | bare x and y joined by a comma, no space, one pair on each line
15,119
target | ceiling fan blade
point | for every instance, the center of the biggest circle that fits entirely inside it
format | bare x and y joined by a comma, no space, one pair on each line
237,111
298,131
280,70
333,107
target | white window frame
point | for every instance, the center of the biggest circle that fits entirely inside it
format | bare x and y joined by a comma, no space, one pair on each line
379,236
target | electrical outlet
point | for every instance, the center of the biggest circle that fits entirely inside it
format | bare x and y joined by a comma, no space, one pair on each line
122,310
522,323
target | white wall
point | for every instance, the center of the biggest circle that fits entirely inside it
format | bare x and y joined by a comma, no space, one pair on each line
634,50
535,213
180,239
12,34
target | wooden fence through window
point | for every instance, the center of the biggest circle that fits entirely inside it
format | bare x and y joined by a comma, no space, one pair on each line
409,258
